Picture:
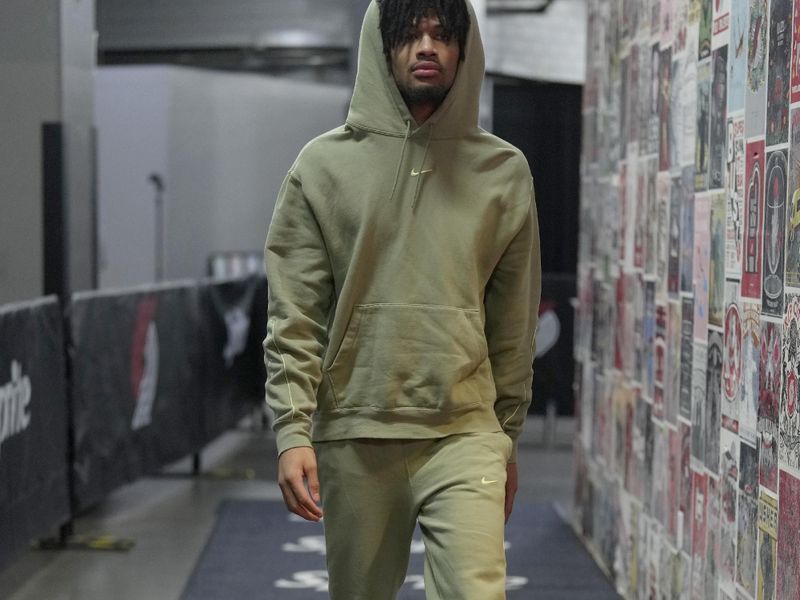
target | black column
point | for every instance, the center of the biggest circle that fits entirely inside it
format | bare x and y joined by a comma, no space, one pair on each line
54,211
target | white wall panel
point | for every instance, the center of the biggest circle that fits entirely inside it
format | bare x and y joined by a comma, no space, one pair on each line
224,143
132,121
548,47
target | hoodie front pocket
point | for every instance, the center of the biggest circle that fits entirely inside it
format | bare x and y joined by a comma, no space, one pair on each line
411,356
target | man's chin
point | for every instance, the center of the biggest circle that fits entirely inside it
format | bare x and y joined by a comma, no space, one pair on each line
424,93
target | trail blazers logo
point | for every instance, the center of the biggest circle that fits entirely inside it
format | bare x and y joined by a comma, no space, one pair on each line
549,330
144,363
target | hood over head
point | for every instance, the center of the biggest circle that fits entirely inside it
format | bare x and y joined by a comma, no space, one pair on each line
378,106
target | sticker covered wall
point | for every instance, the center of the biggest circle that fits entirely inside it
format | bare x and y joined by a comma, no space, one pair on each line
688,454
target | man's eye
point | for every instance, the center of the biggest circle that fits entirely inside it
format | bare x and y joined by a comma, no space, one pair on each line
445,37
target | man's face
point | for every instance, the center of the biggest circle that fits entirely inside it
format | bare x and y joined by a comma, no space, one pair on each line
425,65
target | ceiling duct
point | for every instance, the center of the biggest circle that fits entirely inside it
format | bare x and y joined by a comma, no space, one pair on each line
255,35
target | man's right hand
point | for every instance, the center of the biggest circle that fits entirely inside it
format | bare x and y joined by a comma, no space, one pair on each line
296,467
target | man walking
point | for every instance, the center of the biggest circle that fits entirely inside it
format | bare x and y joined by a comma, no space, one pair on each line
404,282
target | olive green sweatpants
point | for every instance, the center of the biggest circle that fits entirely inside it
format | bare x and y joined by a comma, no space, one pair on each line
375,490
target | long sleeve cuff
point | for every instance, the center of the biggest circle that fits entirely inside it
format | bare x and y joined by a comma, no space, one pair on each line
292,434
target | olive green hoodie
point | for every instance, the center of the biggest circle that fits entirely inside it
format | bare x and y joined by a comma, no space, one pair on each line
403,269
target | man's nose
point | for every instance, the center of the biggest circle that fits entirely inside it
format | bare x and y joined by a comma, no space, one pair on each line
426,46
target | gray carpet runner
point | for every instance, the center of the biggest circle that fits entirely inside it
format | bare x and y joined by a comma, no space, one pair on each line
258,551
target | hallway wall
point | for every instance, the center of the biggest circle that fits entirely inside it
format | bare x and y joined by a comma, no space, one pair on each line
46,62
688,325
222,144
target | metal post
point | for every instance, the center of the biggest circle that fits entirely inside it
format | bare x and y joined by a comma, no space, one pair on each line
196,464
158,183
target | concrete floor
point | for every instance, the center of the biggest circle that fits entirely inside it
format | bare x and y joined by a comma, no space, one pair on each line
170,517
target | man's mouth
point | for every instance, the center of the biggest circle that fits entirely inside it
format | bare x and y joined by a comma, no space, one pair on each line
426,69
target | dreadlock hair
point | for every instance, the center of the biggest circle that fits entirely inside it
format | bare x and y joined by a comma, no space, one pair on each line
396,16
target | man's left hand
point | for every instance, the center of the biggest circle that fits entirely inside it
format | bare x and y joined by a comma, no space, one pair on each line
511,487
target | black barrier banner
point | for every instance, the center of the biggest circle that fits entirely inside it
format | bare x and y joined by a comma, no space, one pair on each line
554,365
137,390
233,318
34,497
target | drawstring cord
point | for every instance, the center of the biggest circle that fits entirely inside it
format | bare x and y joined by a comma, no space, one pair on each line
402,156
422,167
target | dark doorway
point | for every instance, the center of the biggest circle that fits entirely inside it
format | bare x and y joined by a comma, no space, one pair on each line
544,121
